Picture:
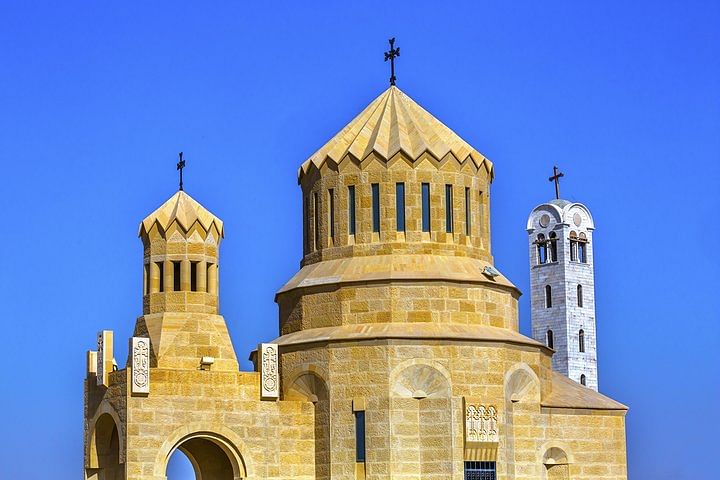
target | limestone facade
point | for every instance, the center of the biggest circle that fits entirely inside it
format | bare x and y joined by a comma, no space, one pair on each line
399,355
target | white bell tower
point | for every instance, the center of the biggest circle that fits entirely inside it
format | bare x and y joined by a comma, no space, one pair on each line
562,286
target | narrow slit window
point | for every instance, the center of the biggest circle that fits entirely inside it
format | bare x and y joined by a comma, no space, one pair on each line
161,272
351,209
360,436
331,212
481,212
553,247
549,339
581,341
582,248
194,276
583,381
176,276
573,247
375,187
400,206
468,212
448,209
548,296
147,278
579,296
316,216
426,207
208,277
541,249
306,237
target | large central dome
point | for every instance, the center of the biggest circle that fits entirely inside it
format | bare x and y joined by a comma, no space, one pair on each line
395,123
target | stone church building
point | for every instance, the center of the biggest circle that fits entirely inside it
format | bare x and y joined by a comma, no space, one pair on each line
399,354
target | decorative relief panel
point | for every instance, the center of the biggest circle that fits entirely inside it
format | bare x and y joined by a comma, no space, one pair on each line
104,357
140,347
269,375
481,423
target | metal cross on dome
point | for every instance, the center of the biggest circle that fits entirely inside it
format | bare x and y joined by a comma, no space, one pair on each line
557,175
180,165
390,55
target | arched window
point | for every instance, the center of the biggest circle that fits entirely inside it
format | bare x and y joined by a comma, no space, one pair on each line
579,296
582,248
541,248
553,247
582,379
549,339
581,340
548,296
573,247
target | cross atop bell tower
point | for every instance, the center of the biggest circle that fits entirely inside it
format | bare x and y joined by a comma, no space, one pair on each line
557,175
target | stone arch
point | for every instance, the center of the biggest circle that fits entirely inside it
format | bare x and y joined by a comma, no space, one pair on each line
521,384
288,380
428,370
309,385
104,409
421,419
522,401
213,451
103,454
555,460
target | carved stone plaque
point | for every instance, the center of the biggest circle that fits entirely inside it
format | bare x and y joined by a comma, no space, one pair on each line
269,375
140,348
104,357
481,423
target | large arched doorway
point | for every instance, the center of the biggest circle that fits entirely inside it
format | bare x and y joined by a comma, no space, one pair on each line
211,457
179,467
104,451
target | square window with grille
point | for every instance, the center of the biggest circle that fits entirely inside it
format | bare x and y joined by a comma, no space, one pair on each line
480,471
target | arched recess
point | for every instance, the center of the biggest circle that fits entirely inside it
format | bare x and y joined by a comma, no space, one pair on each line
309,386
214,452
421,420
556,462
522,401
103,455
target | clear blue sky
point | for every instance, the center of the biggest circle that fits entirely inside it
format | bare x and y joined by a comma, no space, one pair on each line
97,98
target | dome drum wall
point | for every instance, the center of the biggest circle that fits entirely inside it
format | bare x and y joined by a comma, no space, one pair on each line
440,303
328,231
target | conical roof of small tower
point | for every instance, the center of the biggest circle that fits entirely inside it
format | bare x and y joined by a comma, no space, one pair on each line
392,123
185,210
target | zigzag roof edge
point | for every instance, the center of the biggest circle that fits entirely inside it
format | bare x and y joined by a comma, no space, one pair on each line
184,210
485,162
379,129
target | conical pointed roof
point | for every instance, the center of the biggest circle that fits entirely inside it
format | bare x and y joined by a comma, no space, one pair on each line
184,209
393,122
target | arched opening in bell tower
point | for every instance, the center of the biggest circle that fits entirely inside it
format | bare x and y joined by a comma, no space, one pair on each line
104,454
204,456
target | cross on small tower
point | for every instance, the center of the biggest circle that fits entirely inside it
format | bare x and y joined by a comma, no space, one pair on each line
180,166
394,52
557,175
